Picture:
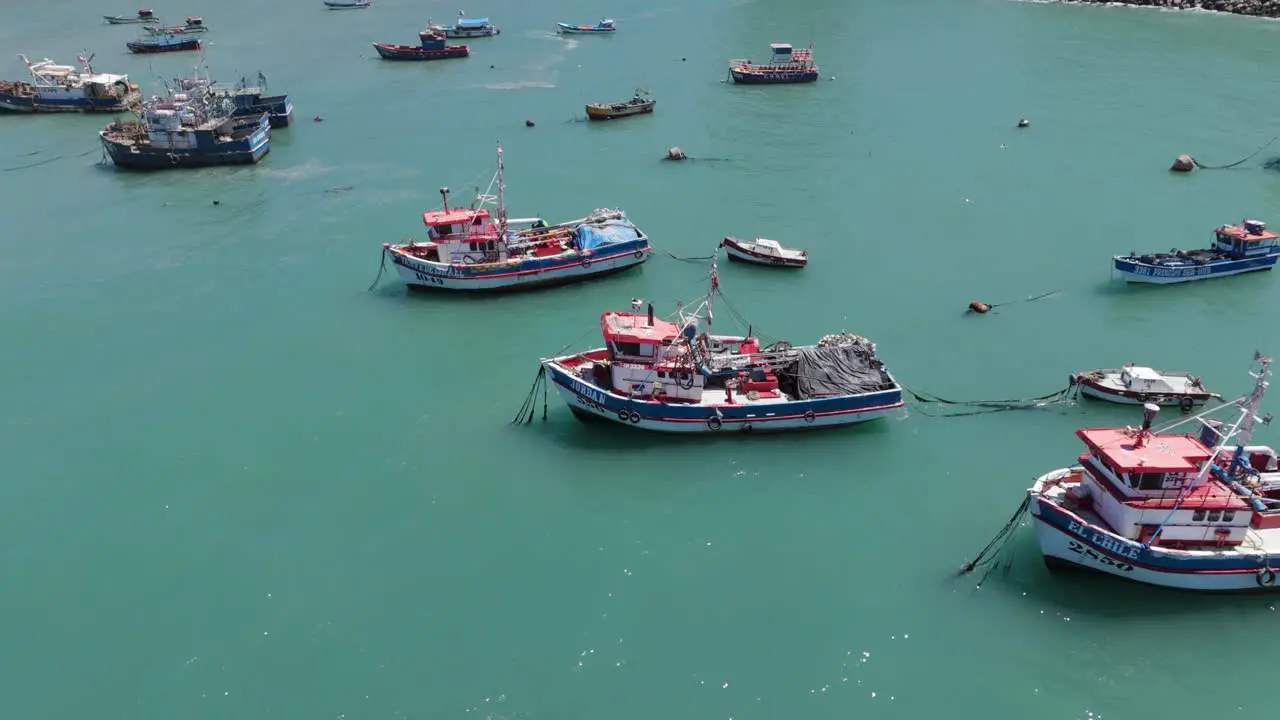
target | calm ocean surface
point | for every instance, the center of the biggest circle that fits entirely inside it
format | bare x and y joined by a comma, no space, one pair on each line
237,485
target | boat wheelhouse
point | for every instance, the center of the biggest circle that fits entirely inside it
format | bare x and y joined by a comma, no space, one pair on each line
1192,511
1236,249
470,248
786,65
671,376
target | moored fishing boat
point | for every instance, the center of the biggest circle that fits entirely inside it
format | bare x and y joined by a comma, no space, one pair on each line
163,43
675,376
184,131
786,65
639,104
143,17
347,4
763,251
1236,249
433,47
604,26
250,100
63,88
193,25
465,28
1195,512
472,249
1136,385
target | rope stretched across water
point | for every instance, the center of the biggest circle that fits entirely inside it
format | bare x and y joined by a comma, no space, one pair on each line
1247,158
992,551
989,406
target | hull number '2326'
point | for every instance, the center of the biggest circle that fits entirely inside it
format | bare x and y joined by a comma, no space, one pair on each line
1101,559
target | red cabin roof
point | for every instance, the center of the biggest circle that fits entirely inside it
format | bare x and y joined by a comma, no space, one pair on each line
633,328
1157,453
1240,233
454,216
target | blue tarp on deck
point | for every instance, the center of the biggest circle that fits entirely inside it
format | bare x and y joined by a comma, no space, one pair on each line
472,22
590,237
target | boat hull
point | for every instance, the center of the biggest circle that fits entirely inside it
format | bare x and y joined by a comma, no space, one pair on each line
409,52
420,274
575,30
27,104
134,157
1066,540
596,112
279,115
1093,390
589,401
767,78
346,6
455,33
746,255
178,30
147,48
1135,271
117,20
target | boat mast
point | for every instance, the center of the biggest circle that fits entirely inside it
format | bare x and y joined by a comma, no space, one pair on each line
715,286
502,205
1253,401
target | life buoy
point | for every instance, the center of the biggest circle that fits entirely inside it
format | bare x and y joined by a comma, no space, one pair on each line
623,415
634,417
809,416
753,395
1186,404
639,254
1266,577
714,423
746,427
1142,397
586,262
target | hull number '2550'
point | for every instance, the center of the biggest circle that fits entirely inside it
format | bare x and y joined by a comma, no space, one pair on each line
1101,559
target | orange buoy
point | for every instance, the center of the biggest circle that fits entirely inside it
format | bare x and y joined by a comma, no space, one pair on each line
978,306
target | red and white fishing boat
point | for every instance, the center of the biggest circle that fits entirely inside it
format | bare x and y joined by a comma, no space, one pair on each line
763,251
1137,385
1196,512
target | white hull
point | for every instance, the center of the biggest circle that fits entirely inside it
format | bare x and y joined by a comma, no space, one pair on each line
437,276
1096,394
737,254
1058,546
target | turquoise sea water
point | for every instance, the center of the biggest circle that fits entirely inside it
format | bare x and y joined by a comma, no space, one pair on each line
237,485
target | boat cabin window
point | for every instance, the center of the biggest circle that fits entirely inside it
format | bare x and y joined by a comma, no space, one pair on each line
1228,515
1154,481
625,348
1215,515
1197,516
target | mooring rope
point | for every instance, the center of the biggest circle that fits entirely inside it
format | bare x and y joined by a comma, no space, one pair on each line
46,161
992,551
382,265
1030,299
527,410
1251,156
989,406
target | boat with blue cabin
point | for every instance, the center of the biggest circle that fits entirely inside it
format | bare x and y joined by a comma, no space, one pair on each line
604,26
163,43
144,17
465,28
64,88
675,376
472,249
185,131
786,65
1191,509
250,100
1236,249
432,47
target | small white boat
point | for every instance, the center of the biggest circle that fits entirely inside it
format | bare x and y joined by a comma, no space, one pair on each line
763,251
347,4
604,26
1136,385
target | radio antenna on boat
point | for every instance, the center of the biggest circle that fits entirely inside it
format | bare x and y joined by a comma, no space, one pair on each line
502,207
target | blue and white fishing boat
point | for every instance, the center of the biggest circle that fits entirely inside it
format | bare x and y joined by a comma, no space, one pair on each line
163,43
1190,511
673,376
250,100
469,248
63,88
465,28
184,131
1236,249
604,26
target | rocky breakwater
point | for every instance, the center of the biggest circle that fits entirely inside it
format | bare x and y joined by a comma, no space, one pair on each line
1260,8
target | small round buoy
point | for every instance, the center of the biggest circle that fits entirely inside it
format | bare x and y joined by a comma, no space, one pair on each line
1024,123
1183,163
528,123
490,67
683,59
215,202
318,119
676,153
978,306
